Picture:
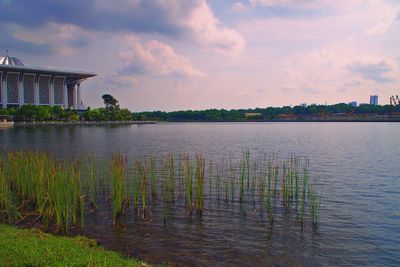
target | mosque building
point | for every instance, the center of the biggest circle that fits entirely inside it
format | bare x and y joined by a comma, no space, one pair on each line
21,84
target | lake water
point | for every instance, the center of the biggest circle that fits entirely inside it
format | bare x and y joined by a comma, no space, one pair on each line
357,164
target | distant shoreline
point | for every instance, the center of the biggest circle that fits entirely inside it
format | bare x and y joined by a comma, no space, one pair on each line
316,120
106,123
80,123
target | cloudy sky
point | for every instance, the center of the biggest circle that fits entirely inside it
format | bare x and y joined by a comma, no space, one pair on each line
198,54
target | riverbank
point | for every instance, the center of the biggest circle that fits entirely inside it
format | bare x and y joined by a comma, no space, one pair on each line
31,247
78,123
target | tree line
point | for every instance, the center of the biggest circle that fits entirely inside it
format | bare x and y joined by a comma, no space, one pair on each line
269,113
112,112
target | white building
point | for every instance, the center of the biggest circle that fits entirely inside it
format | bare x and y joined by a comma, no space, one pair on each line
25,85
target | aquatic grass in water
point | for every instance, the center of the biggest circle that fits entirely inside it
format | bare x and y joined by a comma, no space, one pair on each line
37,188
34,185
199,184
118,175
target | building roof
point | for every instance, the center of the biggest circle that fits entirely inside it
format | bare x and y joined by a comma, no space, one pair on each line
13,64
10,61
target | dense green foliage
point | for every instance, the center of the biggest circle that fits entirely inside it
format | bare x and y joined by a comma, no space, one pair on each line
107,114
110,102
40,113
112,112
266,113
23,247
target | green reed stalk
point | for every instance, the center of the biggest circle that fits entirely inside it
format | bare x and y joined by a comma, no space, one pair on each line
297,183
119,192
187,169
268,196
199,176
218,183
276,174
153,178
210,175
315,204
143,187
253,181
137,177
283,183
233,186
242,177
247,160
305,185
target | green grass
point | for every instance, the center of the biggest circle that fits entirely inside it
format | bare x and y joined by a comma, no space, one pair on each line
23,247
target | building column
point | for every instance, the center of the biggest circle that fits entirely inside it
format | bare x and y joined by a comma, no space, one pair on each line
79,96
75,97
65,95
21,90
51,92
36,91
4,90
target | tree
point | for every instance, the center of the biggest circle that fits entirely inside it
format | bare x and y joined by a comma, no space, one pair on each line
110,102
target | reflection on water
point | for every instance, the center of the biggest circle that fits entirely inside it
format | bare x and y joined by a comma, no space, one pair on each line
358,163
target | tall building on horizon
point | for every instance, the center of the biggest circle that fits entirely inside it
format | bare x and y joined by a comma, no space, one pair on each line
373,100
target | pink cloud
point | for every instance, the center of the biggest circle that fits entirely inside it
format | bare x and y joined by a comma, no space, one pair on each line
211,34
156,58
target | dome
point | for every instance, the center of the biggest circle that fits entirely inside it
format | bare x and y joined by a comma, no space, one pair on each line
13,61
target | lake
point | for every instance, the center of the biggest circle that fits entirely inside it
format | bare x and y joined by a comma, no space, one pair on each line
357,165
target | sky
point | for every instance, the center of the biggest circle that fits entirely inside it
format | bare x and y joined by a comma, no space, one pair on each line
196,54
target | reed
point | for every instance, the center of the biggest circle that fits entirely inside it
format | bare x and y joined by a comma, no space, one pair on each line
142,174
297,181
218,183
137,176
153,178
199,184
247,163
276,174
187,170
304,191
36,187
119,171
242,177
268,196
315,204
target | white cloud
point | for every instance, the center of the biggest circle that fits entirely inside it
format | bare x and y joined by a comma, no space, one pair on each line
155,58
376,15
64,38
211,34
239,7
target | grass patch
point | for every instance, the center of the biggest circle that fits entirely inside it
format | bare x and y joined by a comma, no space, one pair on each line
31,247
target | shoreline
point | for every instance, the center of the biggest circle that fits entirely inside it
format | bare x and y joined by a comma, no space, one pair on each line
80,123
316,120
33,247
106,123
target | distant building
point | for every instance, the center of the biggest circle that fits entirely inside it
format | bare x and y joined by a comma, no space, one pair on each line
252,114
373,100
353,103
